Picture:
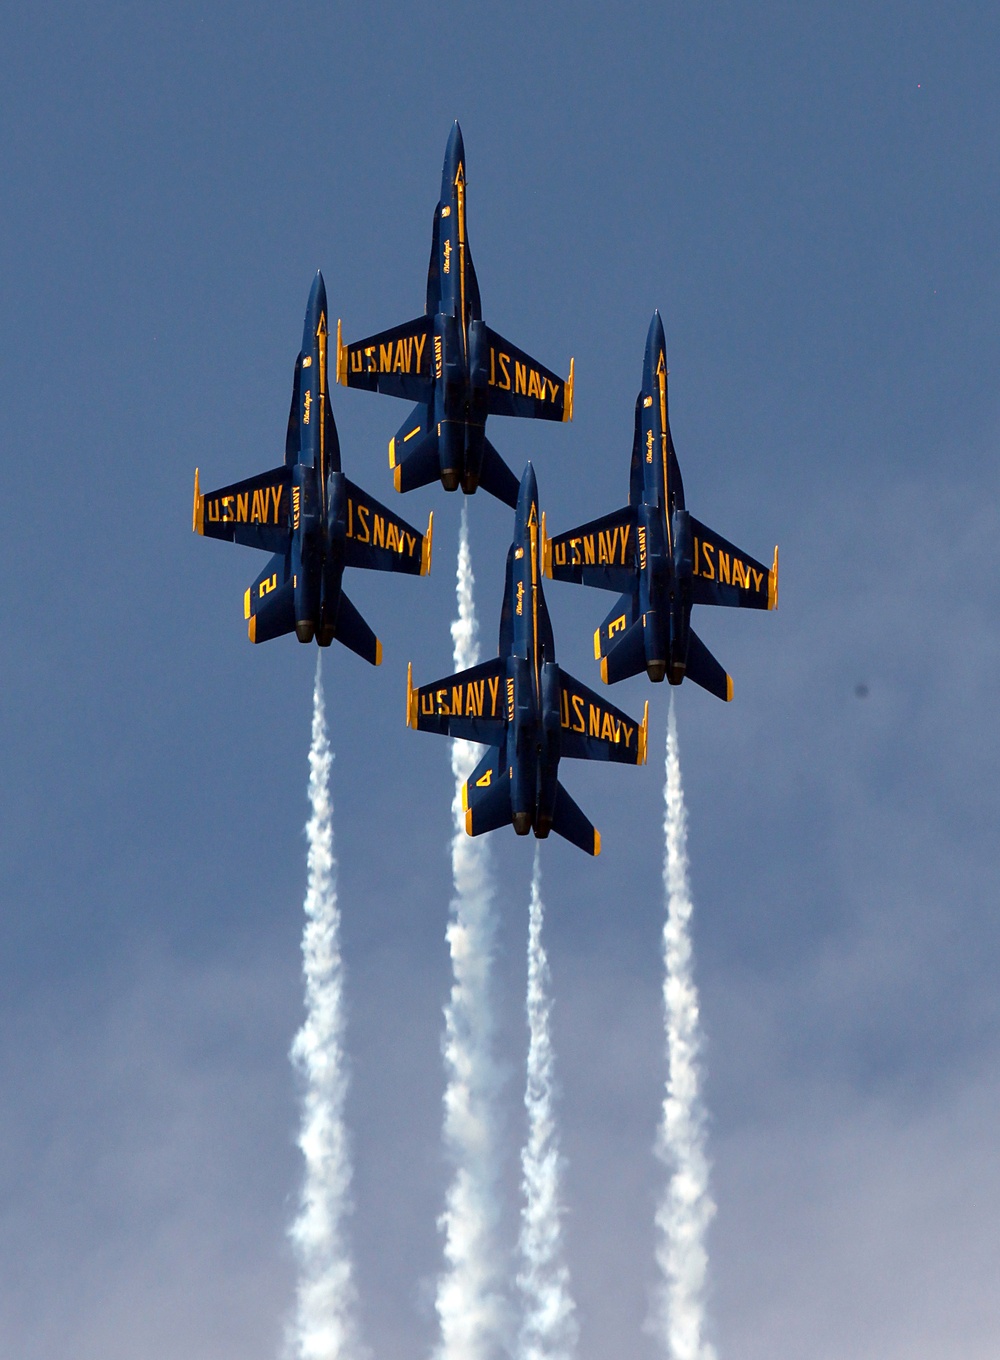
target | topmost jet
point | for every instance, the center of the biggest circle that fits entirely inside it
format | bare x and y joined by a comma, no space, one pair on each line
453,366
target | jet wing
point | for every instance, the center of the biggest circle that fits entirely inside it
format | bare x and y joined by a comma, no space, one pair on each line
601,553
593,729
398,362
253,512
726,575
471,704
518,385
379,540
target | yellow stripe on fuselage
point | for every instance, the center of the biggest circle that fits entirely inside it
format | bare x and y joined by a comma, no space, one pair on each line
460,201
321,343
661,380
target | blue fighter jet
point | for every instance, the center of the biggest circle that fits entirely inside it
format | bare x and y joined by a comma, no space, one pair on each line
526,709
311,518
453,366
660,556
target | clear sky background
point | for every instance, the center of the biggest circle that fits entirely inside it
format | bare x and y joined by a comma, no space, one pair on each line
809,193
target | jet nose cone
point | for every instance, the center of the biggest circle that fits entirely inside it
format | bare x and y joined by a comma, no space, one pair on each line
528,495
454,157
656,352
655,340
317,294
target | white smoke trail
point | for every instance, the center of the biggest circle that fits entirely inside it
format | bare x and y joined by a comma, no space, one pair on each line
324,1326
548,1328
686,1208
469,1302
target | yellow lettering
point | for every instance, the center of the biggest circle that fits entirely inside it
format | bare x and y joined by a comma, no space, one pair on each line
242,504
510,700
505,370
494,683
378,532
594,715
355,360
400,366
276,501
560,554
426,703
520,378
456,700
350,517
437,356
554,389
696,542
227,509
758,576
484,783
628,734
616,626
578,724
603,542
574,545
609,729
588,550
723,567
306,406
363,513
213,512
270,584
441,705
420,341
385,358
708,570
535,388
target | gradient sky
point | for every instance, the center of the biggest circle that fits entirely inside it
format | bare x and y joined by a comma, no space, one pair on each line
809,194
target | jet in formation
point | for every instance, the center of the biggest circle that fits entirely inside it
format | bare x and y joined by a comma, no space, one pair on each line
312,519
453,366
526,709
661,558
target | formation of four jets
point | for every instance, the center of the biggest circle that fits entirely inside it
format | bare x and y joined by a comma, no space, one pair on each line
521,705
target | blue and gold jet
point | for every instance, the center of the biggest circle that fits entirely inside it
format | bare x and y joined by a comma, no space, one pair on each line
660,556
453,366
526,709
311,518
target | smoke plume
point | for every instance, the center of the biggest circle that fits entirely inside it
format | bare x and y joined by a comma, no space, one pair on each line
686,1208
548,1327
470,1303
324,1326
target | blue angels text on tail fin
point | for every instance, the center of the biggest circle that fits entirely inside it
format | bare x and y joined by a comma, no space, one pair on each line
659,556
453,365
312,518
526,709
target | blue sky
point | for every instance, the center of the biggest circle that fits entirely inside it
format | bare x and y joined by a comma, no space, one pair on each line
810,196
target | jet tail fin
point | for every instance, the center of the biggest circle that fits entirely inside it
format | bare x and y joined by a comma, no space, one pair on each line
269,604
704,670
619,643
413,452
352,630
569,822
486,795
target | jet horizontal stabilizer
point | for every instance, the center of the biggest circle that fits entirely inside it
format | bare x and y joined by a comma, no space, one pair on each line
626,654
496,477
568,821
352,630
704,670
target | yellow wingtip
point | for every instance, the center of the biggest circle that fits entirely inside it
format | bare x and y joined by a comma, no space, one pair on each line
341,357
378,652
252,628
465,797
246,603
604,669
425,557
729,689
597,644
597,842
411,698
546,551
198,508
397,477
643,752
772,582
568,395
468,822
392,452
